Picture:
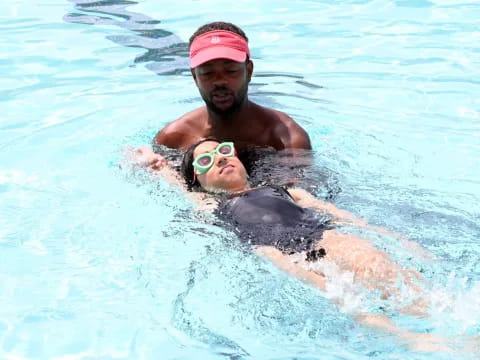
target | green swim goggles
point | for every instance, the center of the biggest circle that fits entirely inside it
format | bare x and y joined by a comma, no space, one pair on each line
204,162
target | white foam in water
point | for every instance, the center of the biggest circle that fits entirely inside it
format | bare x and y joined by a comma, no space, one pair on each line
340,285
456,306
353,297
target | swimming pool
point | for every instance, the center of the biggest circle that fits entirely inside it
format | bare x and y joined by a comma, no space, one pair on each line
97,262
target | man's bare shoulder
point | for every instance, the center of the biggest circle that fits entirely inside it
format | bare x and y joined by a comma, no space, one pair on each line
184,131
285,129
270,115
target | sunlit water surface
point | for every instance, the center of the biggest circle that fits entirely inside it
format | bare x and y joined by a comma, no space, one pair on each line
101,262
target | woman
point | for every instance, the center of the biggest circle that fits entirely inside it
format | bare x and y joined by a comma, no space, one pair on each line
291,227
300,233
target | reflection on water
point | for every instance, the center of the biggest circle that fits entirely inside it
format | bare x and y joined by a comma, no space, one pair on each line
165,52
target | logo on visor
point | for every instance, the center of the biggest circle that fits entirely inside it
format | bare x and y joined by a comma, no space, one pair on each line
215,39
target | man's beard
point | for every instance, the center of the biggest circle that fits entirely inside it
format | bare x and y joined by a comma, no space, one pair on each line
238,101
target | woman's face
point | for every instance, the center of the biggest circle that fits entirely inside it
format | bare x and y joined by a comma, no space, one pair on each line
227,172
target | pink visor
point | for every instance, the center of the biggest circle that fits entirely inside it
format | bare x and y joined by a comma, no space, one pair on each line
218,44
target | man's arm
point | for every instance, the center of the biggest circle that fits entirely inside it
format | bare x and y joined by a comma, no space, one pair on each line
290,134
299,138
176,135
183,132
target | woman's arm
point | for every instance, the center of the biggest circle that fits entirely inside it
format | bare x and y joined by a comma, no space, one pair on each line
145,157
305,199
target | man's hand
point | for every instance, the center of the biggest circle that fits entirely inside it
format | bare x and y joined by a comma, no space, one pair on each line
145,157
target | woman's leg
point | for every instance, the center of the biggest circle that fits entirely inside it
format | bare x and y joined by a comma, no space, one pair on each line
371,267
416,341
285,263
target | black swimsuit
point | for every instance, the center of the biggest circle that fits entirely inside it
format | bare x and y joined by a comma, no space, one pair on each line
268,216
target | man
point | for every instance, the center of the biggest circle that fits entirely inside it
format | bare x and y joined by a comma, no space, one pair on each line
222,69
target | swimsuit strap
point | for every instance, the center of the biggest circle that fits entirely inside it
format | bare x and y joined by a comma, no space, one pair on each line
282,190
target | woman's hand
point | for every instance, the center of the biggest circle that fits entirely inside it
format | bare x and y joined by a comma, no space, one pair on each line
144,156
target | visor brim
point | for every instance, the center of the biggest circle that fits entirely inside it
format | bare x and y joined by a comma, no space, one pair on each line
217,52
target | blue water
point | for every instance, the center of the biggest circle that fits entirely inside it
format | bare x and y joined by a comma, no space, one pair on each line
100,262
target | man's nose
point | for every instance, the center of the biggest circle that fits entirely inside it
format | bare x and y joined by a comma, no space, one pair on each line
219,78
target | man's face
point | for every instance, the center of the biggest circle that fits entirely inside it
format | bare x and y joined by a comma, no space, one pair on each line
223,84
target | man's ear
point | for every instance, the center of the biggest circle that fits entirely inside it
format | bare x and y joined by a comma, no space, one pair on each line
194,75
249,70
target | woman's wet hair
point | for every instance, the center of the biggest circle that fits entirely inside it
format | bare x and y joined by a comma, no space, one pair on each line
186,169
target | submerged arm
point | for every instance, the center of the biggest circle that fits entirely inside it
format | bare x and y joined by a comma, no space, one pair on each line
305,199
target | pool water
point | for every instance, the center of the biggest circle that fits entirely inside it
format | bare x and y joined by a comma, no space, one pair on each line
99,261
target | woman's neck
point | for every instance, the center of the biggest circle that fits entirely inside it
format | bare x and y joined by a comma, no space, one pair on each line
232,190
239,189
